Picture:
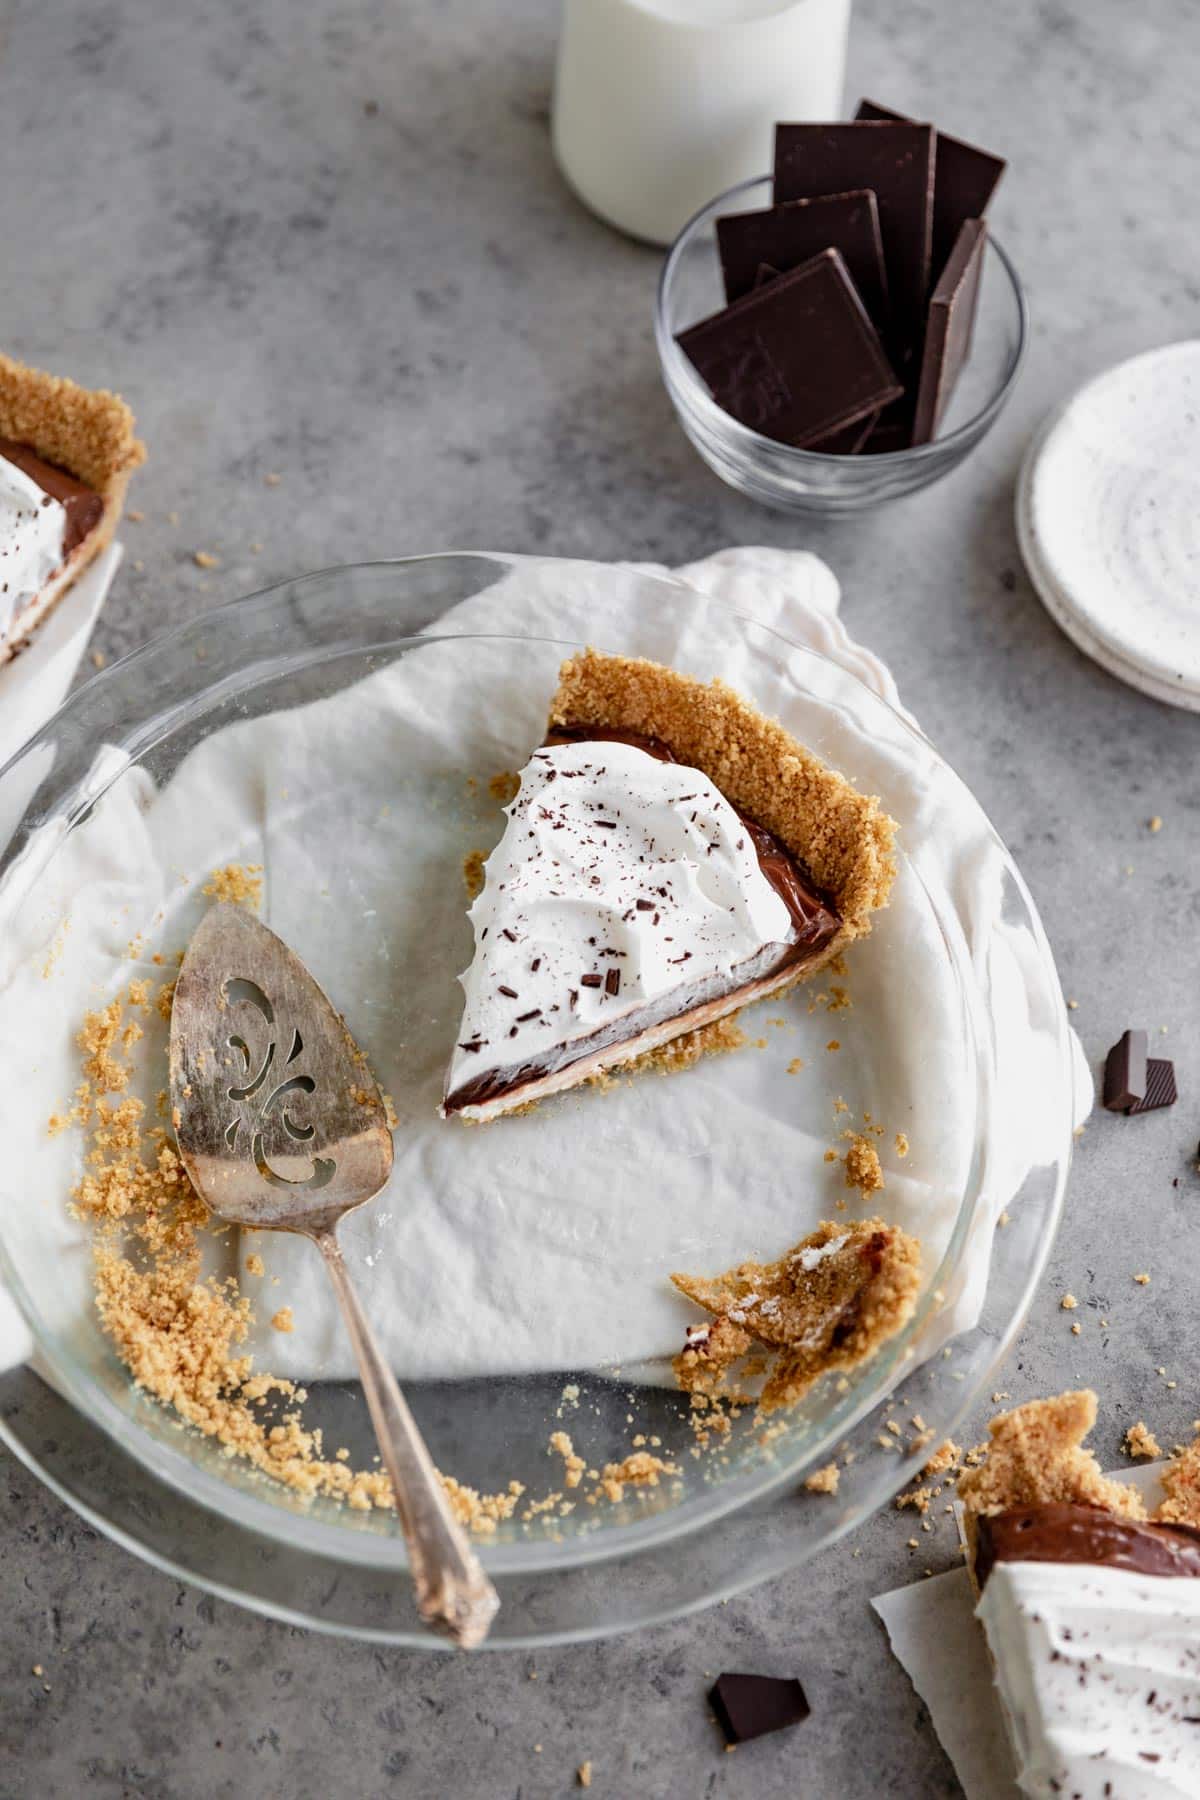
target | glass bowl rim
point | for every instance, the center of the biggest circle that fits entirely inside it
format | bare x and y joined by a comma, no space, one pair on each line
683,380
386,1552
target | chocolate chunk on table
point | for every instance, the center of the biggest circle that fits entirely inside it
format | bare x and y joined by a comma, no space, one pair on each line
948,329
964,182
797,359
748,1706
896,161
788,235
1125,1071
1160,1086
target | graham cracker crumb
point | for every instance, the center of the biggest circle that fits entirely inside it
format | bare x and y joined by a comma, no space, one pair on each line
272,480
561,1444
1143,1280
918,1497
1036,1454
583,1774
255,1265
823,1481
1068,1303
1181,1486
1154,824
283,1320
165,1000
827,1303
1141,1441
902,1144
795,1066
238,883
639,1469
472,869
863,1168
505,786
203,559
833,1044
98,659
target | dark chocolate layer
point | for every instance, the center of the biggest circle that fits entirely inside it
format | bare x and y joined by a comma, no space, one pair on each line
82,505
814,916
1059,1532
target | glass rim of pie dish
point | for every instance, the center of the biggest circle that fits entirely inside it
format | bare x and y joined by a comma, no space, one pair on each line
646,1539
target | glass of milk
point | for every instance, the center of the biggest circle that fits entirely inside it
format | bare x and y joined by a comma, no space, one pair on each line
660,104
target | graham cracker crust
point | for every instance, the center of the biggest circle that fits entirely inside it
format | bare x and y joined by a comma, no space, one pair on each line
828,1303
843,838
89,433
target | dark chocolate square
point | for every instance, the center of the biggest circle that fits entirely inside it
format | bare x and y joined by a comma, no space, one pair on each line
785,236
1125,1071
748,1706
965,180
896,161
797,359
1160,1086
948,329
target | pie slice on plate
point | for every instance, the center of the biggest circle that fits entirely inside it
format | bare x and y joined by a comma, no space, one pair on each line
671,855
66,455
1091,1608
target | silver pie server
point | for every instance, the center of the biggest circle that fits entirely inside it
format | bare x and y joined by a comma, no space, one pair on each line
281,1127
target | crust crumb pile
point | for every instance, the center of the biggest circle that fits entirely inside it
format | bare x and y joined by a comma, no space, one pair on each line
239,883
181,1334
828,1303
1141,1441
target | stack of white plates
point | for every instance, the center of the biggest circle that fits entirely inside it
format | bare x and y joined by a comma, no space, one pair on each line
1108,515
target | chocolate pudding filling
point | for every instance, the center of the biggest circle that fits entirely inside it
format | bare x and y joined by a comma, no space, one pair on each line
1063,1533
82,505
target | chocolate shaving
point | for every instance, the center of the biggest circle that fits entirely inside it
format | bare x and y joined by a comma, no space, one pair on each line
612,982
590,981
510,993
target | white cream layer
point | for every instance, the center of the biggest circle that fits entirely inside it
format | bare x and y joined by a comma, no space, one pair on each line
1099,1672
32,530
614,866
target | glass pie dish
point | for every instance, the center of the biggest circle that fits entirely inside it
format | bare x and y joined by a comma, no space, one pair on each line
442,626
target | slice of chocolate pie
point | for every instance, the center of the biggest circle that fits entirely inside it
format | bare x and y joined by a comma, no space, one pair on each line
670,856
1091,1609
66,455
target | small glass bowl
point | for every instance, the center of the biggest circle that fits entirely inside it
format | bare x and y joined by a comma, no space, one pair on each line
806,481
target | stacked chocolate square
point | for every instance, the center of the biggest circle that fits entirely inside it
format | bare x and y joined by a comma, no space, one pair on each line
851,300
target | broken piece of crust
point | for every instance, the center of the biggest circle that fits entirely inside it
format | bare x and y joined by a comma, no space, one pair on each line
1036,1456
86,431
1181,1485
842,837
827,1303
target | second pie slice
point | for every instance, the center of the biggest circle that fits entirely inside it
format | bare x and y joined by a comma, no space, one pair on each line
671,855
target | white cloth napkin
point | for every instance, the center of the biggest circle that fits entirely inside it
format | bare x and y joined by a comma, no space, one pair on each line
934,1635
32,686
534,1244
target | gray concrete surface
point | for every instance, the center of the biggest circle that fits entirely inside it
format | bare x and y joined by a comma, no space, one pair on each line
403,313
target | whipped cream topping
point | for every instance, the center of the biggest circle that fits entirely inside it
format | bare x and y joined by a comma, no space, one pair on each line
32,531
620,881
1099,1672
